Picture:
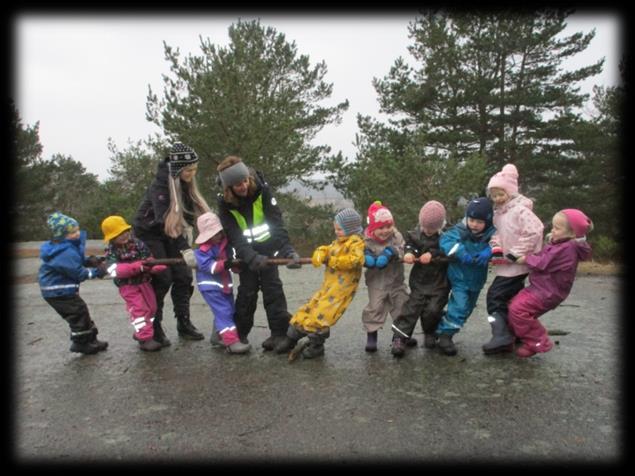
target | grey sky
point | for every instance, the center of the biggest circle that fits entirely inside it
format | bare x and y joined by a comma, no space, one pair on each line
85,78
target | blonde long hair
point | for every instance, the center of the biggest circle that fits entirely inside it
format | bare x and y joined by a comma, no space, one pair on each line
175,224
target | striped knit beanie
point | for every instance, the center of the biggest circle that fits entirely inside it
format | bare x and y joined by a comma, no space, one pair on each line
349,220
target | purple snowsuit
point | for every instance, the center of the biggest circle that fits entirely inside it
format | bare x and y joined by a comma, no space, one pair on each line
215,284
551,275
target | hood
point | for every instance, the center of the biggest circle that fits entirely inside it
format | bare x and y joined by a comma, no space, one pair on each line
51,249
517,201
583,250
162,171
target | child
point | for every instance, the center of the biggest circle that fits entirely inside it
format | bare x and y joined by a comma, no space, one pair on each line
551,275
125,257
468,272
518,233
429,286
63,268
344,259
215,282
384,250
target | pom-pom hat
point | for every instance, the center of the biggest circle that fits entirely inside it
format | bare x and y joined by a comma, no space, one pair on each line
506,179
180,156
378,216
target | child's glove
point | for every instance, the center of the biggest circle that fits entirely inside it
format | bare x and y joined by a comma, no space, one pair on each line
93,261
258,262
483,257
100,271
332,263
369,261
157,268
497,251
319,256
189,258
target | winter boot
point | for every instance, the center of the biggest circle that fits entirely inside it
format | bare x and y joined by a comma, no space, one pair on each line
371,342
502,339
186,329
150,345
270,342
315,347
84,347
159,335
284,345
429,341
232,343
411,342
398,347
446,345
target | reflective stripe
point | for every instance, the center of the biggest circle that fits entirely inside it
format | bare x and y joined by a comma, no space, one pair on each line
80,333
139,323
60,286
260,230
232,328
214,283
112,270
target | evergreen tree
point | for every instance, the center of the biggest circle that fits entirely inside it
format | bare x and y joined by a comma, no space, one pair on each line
255,98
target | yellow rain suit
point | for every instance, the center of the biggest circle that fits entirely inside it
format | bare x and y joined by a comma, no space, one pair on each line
344,258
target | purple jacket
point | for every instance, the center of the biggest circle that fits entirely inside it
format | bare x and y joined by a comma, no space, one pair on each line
552,270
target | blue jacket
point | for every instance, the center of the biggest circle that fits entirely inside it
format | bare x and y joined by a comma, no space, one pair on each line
466,276
209,274
63,267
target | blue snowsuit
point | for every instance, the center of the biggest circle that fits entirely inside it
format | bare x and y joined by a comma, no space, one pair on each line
466,280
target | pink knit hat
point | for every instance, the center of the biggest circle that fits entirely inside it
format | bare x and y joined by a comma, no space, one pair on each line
507,179
578,221
208,225
432,215
378,216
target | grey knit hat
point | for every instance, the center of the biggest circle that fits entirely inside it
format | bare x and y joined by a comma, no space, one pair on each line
180,156
233,175
349,220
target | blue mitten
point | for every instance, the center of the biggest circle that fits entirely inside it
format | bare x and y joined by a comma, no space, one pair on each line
369,261
483,257
466,258
381,261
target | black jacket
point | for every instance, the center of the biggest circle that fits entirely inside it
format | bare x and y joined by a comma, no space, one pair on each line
432,276
150,217
279,241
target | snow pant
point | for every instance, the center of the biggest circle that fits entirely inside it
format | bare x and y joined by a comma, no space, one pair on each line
524,311
501,291
425,304
268,281
141,305
460,305
177,278
223,308
382,302
74,311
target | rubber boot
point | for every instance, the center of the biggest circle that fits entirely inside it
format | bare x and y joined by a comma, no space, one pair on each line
446,345
398,346
186,329
232,343
371,342
502,339
150,345
159,335
315,347
84,347
429,341
101,344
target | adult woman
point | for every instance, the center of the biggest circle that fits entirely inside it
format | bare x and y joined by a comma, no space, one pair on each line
253,223
164,221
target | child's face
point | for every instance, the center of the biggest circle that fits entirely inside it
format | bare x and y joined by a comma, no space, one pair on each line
73,235
242,188
217,238
428,231
188,173
339,232
499,196
475,225
560,227
385,232
122,238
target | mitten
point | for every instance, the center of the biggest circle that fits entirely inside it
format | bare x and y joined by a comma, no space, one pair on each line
258,262
381,261
369,261
295,260
466,258
319,256
158,268
100,272
332,263
497,251
189,258
483,256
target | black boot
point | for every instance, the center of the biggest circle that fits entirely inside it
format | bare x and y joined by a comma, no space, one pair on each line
186,329
101,344
159,335
502,339
316,345
446,345
84,347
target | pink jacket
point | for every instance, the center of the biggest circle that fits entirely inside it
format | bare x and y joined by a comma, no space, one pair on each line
518,232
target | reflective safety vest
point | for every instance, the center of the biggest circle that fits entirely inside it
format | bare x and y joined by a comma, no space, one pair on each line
260,230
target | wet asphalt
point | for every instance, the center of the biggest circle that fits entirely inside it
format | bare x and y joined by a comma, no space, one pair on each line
191,403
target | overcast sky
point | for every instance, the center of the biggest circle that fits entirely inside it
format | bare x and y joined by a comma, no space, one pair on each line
85,78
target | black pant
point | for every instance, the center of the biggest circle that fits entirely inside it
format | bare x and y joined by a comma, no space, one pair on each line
501,291
177,276
74,311
268,281
425,304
